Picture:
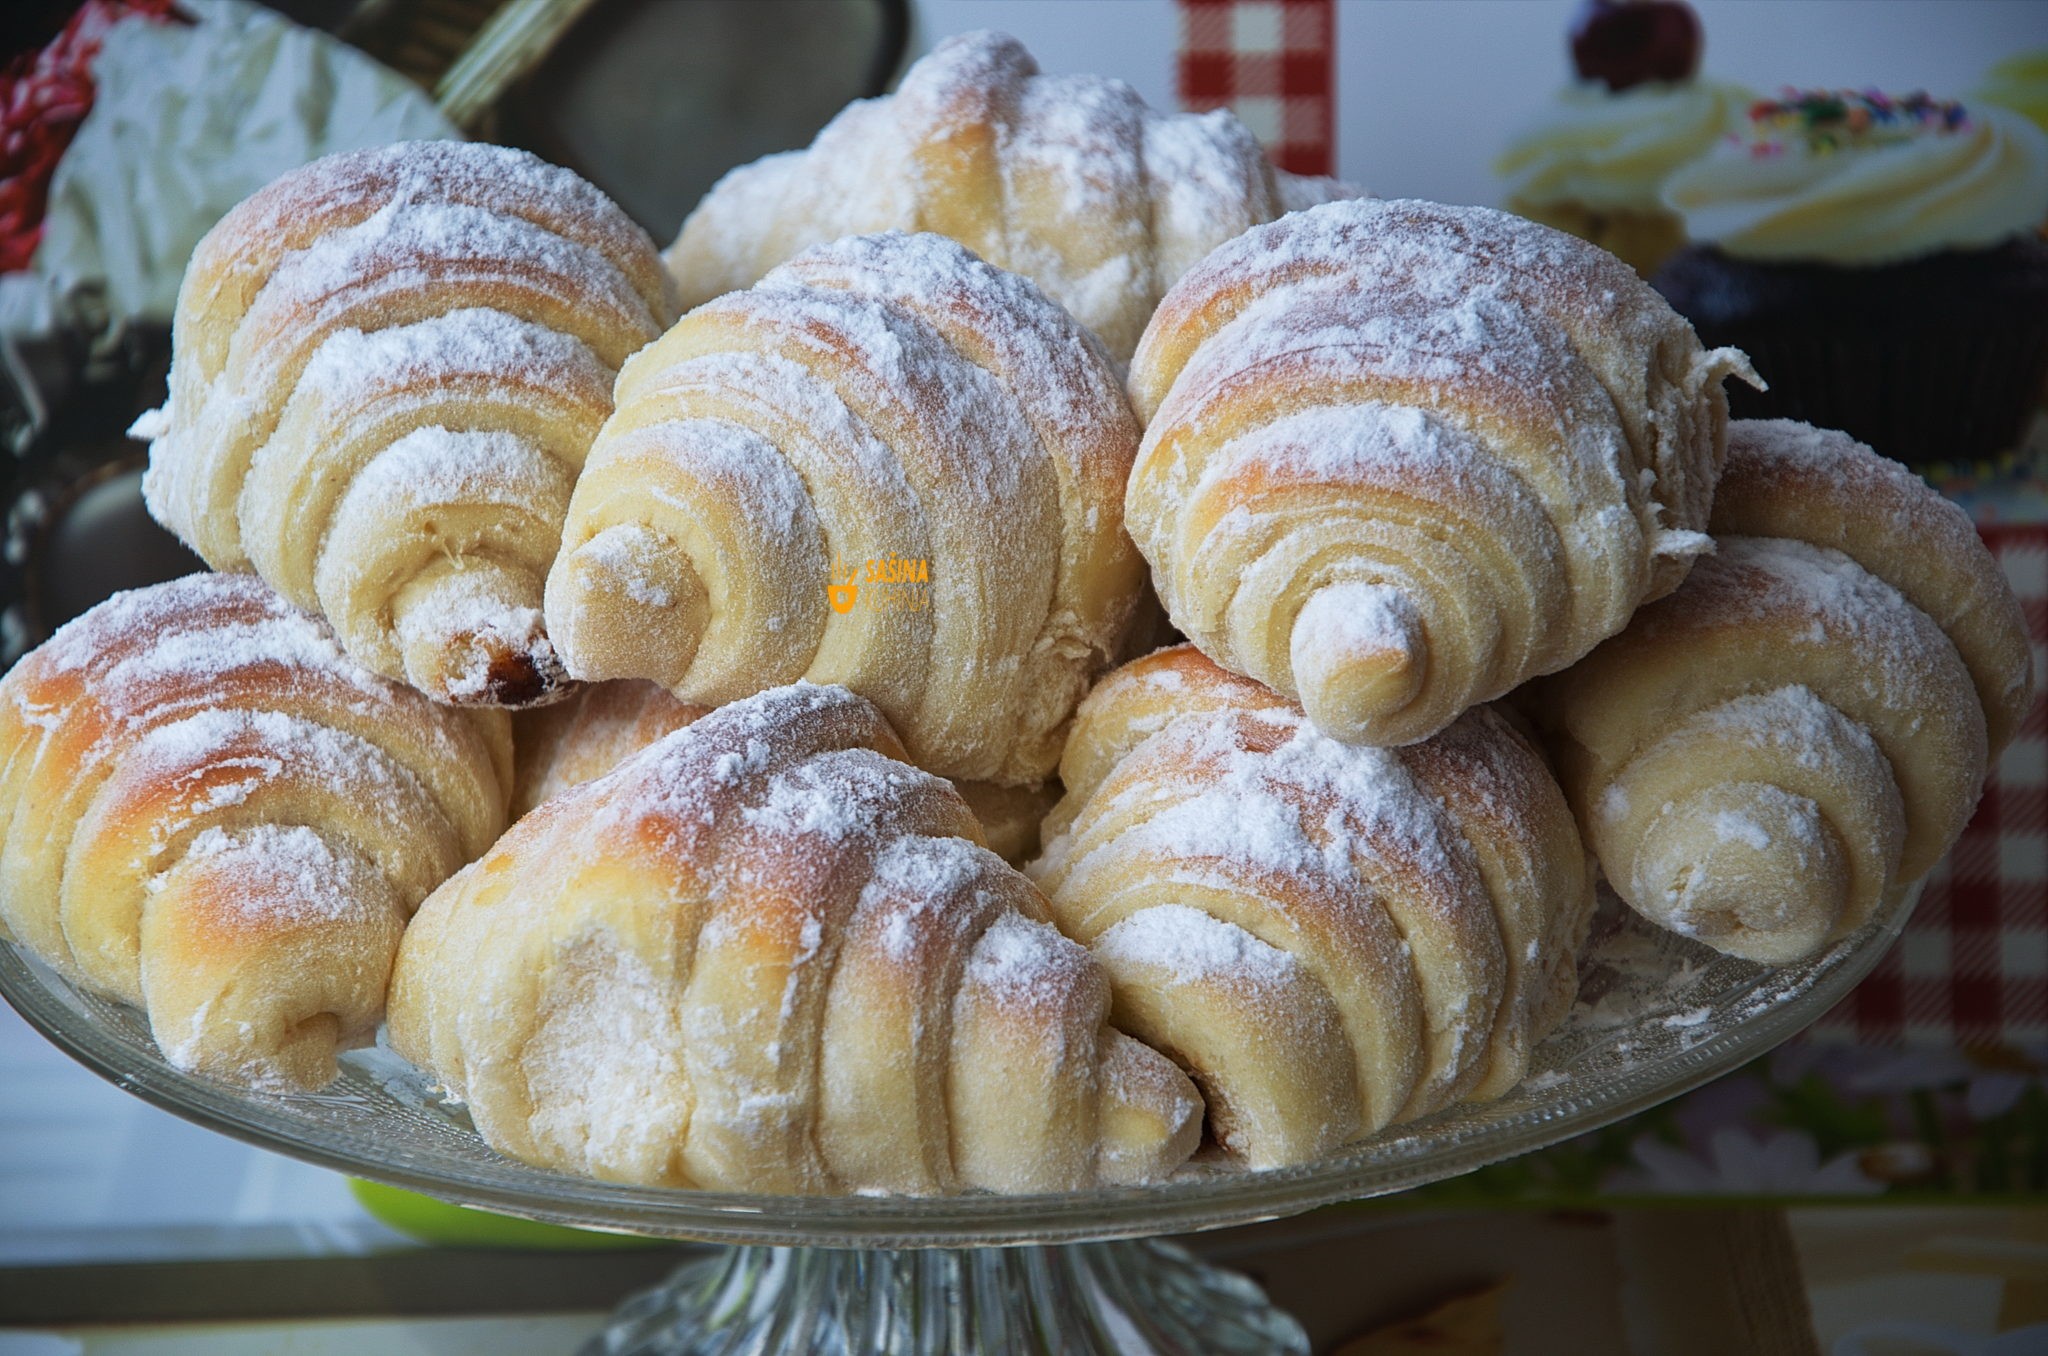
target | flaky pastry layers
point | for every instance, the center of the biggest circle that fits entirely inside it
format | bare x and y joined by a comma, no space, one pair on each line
1329,938
214,814
1400,457
388,366
888,465
1766,758
765,954
578,740
1070,180
570,742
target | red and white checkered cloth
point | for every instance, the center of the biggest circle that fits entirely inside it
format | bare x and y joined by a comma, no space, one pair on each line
1971,969
1271,62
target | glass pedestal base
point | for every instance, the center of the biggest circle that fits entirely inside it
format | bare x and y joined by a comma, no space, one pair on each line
1113,1299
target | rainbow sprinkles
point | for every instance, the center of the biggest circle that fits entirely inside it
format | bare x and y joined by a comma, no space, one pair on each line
1824,121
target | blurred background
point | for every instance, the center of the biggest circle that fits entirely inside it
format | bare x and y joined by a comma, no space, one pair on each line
1429,92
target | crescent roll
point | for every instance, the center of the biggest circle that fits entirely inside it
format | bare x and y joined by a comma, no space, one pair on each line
765,954
212,813
1770,755
1329,938
888,466
387,368
1070,180
1401,457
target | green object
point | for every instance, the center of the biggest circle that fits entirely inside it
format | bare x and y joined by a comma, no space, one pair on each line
445,1224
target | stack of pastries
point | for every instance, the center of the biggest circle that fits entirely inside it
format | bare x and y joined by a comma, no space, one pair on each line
783,634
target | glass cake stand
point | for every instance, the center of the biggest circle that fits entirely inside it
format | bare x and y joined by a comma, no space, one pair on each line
1070,1273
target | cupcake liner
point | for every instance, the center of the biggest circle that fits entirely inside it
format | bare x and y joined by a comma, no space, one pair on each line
1920,395
1935,360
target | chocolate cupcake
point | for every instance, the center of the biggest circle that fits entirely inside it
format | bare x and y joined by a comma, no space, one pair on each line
1880,262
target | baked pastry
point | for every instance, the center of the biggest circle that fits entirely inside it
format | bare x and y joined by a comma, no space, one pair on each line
1070,180
1400,457
388,366
1328,938
578,740
766,955
215,815
1010,816
1771,754
1881,260
888,466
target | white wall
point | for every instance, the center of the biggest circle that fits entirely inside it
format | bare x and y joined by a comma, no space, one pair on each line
1428,90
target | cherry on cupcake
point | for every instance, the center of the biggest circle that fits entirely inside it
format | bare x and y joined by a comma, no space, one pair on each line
1625,43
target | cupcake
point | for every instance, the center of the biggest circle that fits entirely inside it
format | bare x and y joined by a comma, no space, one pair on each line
1595,161
1879,261
2019,83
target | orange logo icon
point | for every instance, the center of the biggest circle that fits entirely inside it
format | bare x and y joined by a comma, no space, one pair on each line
840,589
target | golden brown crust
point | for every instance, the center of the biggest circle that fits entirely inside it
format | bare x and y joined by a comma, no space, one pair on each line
1401,457
200,764
891,423
1330,938
389,365
583,738
1787,479
231,265
1767,757
710,966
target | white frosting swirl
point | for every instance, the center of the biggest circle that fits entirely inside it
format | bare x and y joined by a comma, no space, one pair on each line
2019,83
1877,202
1615,151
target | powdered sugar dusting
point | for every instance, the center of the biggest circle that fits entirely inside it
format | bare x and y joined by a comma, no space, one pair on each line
1251,805
1537,374
1732,826
495,178
1842,604
1793,718
1109,200
1195,947
800,802
517,290
1344,623
139,636
332,757
469,341
1065,384
288,873
435,465
924,879
892,354
604,1065
1019,962
411,243
466,619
